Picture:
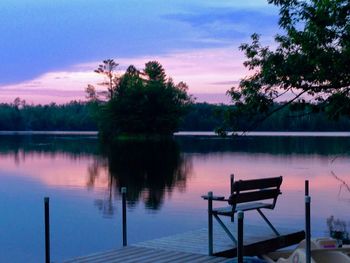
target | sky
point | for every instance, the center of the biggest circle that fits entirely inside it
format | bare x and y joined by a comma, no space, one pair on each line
49,49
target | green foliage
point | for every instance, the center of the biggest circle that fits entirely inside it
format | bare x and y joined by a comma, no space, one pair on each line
311,61
211,117
288,119
199,117
144,103
204,117
75,116
155,71
107,69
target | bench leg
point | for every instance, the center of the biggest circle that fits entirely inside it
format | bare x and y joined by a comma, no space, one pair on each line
224,227
240,246
268,222
232,181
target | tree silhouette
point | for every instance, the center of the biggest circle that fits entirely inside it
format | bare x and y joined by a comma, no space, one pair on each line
144,104
311,62
155,71
107,69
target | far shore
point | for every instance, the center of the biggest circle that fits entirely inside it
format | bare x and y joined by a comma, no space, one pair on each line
195,133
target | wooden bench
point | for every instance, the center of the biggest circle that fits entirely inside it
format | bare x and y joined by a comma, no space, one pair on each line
246,195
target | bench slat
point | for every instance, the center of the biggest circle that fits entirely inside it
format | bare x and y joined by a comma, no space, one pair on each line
257,184
227,211
253,196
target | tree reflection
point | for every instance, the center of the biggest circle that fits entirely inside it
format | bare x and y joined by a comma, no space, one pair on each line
342,185
149,170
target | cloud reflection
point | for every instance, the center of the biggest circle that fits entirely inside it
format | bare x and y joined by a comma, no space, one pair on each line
151,171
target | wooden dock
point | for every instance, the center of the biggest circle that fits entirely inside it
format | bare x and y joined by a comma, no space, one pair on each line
146,255
192,246
257,239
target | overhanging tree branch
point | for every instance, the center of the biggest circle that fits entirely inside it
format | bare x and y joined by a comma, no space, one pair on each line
256,123
311,55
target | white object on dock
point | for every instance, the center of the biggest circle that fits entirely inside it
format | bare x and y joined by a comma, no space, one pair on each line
323,250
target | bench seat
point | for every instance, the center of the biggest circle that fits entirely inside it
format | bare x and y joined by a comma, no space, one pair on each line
227,211
245,195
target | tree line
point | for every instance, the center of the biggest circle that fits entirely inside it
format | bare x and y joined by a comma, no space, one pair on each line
79,116
19,116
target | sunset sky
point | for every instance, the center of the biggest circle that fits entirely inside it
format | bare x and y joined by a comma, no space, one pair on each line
49,49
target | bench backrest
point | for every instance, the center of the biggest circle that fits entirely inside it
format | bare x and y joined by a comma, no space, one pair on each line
244,191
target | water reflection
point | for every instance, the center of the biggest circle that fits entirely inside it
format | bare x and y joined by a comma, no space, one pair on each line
84,178
84,145
149,170
153,170
330,146
343,187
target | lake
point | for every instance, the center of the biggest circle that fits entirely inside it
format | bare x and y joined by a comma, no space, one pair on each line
164,180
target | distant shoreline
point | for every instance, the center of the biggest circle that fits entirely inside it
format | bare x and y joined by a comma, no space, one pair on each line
190,133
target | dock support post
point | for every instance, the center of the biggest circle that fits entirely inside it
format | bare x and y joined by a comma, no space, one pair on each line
307,222
47,229
306,187
210,223
125,242
232,181
240,237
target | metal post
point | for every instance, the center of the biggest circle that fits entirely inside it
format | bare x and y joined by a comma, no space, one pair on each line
308,228
47,229
240,237
124,216
306,187
232,180
210,223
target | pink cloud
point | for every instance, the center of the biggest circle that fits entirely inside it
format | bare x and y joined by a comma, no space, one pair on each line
208,72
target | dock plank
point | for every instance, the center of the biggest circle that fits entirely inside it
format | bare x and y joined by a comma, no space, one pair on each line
105,255
192,246
147,255
256,238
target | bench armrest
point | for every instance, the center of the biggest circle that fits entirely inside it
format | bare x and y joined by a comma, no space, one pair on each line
215,198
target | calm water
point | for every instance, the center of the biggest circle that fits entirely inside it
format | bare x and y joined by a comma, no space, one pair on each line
164,180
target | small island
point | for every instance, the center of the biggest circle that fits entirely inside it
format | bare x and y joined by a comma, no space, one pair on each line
138,104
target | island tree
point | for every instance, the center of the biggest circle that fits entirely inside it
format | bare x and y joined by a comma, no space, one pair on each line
143,102
309,65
